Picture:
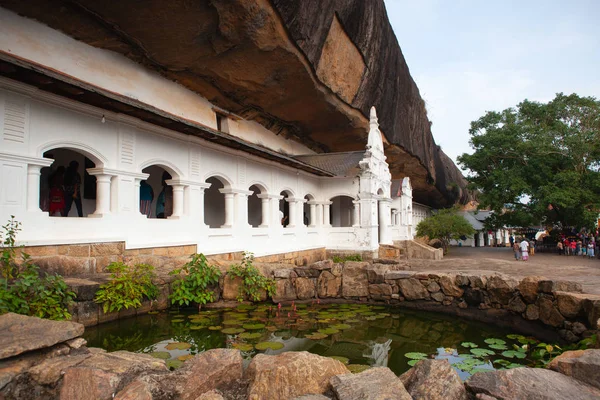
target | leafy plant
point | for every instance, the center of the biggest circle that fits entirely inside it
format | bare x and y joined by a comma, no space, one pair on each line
196,276
127,287
24,291
253,283
445,225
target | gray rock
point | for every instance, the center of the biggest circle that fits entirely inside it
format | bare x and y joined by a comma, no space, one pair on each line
438,296
501,288
548,286
391,275
312,397
433,287
583,365
433,379
548,312
373,384
530,383
412,289
449,287
517,305
21,333
532,312
355,282
284,273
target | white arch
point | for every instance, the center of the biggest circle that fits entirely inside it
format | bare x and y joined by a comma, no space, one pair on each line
90,152
259,184
291,193
227,183
166,165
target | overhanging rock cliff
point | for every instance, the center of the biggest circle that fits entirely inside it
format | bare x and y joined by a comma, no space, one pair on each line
306,69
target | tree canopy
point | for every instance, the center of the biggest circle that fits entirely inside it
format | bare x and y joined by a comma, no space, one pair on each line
445,224
539,162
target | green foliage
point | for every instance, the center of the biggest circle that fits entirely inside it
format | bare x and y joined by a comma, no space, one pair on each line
127,287
445,224
538,162
352,257
196,277
24,291
253,283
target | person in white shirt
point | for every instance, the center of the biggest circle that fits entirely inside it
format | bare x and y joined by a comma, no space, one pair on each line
524,249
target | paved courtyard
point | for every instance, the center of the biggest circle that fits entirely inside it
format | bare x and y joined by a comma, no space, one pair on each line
551,265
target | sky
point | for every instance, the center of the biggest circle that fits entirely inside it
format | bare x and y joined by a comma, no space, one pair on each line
469,57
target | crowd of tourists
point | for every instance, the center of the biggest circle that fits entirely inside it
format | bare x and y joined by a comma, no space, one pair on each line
583,245
60,189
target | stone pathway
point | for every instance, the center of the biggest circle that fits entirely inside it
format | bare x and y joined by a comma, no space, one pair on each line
501,259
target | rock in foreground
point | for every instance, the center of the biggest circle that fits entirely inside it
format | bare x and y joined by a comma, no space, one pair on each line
289,375
433,379
530,383
581,365
378,383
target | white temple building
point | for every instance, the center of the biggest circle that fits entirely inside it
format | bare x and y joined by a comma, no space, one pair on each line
229,180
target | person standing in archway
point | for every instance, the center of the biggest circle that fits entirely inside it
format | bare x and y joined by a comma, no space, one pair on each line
146,197
73,189
57,193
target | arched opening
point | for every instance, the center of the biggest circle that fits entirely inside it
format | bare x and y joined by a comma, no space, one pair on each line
284,208
255,207
307,217
214,203
341,211
156,197
66,188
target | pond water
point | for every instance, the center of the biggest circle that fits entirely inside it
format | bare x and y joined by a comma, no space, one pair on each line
359,335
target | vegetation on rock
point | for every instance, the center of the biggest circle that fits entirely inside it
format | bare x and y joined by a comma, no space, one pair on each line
127,287
195,279
253,283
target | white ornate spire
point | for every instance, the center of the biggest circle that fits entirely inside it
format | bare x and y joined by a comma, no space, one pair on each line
374,142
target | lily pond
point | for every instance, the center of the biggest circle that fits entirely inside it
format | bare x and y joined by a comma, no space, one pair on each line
359,335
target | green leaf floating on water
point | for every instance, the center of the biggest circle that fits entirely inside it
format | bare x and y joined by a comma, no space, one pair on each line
514,353
357,368
215,328
341,359
498,347
482,352
253,326
232,331
233,322
468,344
163,355
412,363
174,364
243,346
250,335
515,336
494,341
178,346
177,320
416,356
197,327
329,331
269,345
316,336
185,357
341,326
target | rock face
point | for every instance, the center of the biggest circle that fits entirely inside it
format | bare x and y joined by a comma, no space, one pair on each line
581,365
530,383
433,379
355,282
290,375
372,384
21,333
259,59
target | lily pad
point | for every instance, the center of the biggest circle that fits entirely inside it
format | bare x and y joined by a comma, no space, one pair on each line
341,359
174,364
250,335
316,336
243,346
494,341
416,356
185,357
232,331
513,353
498,347
215,328
357,368
329,331
341,326
177,320
253,326
178,346
232,322
482,352
163,355
469,344
412,363
269,345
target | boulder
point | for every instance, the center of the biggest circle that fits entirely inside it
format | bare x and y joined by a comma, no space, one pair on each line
21,333
284,273
207,371
376,272
378,290
530,383
517,305
375,383
307,272
355,282
433,379
583,365
412,289
212,395
392,275
136,390
51,370
501,288
329,285
306,288
433,287
591,309
474,297
231,287
528,287
290,374
324,265
449,287
438,296
570,305
549,286
548,313
284,290
478,281
532,312
312,397
100,376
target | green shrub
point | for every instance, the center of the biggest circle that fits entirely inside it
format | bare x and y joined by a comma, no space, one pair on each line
193,285
352,257
253,283
24,291
127,287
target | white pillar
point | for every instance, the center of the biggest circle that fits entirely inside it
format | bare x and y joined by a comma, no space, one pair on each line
384,221
264,203
481,242
241,213
137,183
102,195
177,202
356,214
293,212
229,210
319,214
313,214
326,211
33,187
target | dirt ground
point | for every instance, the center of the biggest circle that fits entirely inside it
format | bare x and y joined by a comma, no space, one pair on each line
501,259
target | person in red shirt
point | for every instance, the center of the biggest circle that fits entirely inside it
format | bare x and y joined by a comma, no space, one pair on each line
573,245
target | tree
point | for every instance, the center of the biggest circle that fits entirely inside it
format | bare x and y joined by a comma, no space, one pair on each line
445,224
538,162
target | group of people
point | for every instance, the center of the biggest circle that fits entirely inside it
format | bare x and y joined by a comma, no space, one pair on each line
63,189
164,202
522,248
577,246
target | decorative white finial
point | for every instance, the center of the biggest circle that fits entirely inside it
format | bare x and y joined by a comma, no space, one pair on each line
373,116
374,141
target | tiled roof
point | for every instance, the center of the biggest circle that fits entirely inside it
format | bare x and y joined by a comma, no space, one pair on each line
339,164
